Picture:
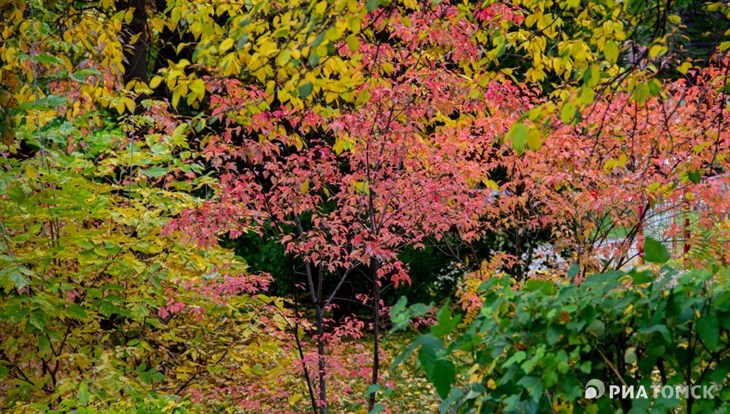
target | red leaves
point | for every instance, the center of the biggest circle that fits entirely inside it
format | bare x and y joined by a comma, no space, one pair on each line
417,158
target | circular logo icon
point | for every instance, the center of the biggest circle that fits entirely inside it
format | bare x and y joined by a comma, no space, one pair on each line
594,389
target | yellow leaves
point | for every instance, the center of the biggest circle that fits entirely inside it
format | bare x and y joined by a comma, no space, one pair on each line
30,171
342,144
580,51
362,97
610,51
295,398
534,139
226,45
586,96
354,25
156,81
284,57
320,8
362,187
684,67
353,43
197,87
123,104
267,47
492,185
613,163
657,50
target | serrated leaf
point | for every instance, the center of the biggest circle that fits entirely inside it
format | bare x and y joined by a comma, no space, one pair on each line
573,270
641,93
655,87
38,320
446,323
427,354
534,386
694,176
372,389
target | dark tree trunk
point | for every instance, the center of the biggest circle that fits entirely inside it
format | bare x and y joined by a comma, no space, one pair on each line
375,265
136,42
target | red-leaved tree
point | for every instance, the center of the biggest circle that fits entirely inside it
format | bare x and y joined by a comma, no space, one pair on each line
344,191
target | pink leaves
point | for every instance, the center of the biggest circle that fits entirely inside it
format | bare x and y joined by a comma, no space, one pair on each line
170,309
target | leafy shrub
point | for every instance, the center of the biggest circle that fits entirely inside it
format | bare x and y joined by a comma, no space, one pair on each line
533,348
98,309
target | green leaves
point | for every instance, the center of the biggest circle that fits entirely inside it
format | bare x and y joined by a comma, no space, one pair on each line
443,377
83,396
654,251
518,135
76,311
537,344
440,371
445,322
708,328
305,90
545,286
18,275
568,113
695,176
371,5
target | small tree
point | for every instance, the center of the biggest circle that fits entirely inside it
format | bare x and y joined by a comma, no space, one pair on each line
344,191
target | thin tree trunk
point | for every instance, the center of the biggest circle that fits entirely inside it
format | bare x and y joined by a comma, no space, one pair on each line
374,264
316,294
307,376
321,360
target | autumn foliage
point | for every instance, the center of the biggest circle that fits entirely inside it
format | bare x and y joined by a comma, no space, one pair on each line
140,142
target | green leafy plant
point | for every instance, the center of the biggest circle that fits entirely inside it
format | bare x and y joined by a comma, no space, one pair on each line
533,348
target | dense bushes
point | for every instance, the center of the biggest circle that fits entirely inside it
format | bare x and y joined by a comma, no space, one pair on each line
100,310
533,348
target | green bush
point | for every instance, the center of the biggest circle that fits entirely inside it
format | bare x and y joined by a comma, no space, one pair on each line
534,348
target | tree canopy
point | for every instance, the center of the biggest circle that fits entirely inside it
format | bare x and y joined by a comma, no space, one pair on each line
144,143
